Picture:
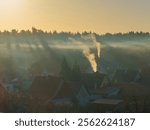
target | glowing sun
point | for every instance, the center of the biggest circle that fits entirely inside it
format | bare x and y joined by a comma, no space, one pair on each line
9,5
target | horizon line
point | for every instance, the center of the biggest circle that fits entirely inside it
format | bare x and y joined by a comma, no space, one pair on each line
74,32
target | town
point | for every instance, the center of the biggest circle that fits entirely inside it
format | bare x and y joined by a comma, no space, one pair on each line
40,77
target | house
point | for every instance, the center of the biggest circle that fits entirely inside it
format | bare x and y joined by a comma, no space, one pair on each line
53,92
42,89
64,101
95,80
69,95
126,76
107,105
107,92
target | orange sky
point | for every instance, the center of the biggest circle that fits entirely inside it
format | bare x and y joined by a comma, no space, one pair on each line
99,16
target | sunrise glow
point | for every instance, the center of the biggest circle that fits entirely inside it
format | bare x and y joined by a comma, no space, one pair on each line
76,15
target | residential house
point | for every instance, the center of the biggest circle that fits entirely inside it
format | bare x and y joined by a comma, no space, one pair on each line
107,105
70,95
42,89
54,92
107,92
95,80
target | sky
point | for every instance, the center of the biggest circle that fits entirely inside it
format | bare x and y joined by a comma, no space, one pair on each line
100,16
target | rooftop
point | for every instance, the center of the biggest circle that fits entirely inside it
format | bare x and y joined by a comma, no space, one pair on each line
107,101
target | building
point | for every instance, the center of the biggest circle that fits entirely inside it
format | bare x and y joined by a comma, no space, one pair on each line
54,92
107,92
69,97
42,89
95,80
107,105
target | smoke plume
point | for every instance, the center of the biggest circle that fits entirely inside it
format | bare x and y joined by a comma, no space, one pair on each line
96,44
91,57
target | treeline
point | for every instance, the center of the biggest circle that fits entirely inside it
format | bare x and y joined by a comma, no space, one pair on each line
38,33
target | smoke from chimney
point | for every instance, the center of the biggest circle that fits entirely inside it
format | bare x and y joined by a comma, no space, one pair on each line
96,44
91,57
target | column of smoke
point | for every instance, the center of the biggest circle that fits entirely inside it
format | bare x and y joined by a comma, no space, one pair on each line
96,44
91,57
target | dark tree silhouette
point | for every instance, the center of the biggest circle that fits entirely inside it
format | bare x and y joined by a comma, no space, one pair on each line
65,70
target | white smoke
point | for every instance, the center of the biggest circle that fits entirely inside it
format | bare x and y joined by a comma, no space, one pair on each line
96,44
91,57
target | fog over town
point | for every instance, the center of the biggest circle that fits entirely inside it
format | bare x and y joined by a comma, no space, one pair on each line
74,72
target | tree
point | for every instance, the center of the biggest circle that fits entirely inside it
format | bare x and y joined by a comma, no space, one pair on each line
14,32
76,72
65,70
34,30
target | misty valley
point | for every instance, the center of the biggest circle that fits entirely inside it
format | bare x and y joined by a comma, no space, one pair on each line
74,72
